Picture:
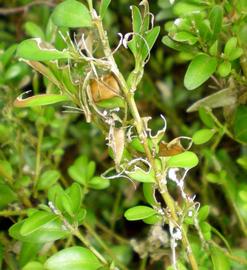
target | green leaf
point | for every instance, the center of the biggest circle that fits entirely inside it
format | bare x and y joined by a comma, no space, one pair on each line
184,8
98,183
242,161
240,127
7,195
136,27
184,160
75,194
152,220
15,70
78,170
148,191
71,13
137,145
231,52
213,50
123,253
216,18
203,26
142,176
8,54
224,68
185,37
28,252
206,117
103,7
33,266
6,169
230,46
39,100
37,50
203,213
48,179
236,54
49,232
36,221
200,69
180,266
67,203
136,19
202,136
111,103
150,38
73,258
139,212
33,30
220,260
206,230
176,45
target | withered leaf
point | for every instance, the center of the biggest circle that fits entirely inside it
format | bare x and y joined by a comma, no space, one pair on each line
118,143
172,148
104,88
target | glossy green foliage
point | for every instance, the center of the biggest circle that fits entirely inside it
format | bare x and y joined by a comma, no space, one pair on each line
71,13
139,212
82,171
199,71
37,50
184,160
73,258
40,227
66,200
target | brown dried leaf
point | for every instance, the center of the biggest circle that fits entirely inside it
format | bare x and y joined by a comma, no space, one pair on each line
105,88
172,148
118,144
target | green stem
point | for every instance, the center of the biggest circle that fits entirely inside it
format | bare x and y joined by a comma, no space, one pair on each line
105,229
75,231
115,209
143,263
104,246
129,95
38,158
10,213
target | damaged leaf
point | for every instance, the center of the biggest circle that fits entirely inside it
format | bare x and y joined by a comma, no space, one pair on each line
39,100
37,50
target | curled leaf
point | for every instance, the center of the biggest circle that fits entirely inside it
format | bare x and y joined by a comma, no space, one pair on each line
222,98
117,143
37,50
39,100
104,88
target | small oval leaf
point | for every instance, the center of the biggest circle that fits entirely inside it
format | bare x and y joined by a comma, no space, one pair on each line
142,176
73,258
139,212
37,50
35,221
71,13
184,160
200,69
39,100
203,136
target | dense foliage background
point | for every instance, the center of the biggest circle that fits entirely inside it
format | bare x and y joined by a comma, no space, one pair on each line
43,148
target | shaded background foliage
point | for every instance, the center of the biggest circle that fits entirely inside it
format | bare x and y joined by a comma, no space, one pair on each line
55,139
